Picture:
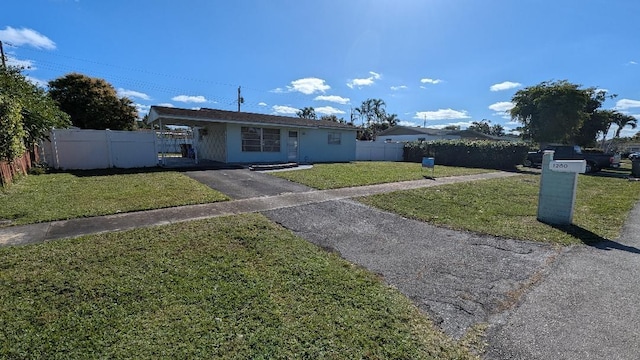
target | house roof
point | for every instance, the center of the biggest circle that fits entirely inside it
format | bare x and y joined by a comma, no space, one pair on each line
465,134
408,130
178,116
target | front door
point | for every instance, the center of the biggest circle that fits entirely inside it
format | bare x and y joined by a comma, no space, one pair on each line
292,146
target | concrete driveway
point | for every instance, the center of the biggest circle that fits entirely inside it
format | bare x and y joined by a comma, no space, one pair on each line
244,184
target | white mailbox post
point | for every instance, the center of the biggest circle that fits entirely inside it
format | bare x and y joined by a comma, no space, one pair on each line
558,185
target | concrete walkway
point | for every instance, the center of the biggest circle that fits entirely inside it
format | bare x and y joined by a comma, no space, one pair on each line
36,233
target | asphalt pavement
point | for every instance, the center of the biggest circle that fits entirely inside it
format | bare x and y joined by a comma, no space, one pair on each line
587,307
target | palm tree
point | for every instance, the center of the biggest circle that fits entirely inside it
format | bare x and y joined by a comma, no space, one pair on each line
378,109
623,120
392,119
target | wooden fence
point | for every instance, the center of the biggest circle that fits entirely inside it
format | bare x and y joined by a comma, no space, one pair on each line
8,170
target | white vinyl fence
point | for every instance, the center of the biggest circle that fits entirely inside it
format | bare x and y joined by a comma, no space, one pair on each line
100,149
379,151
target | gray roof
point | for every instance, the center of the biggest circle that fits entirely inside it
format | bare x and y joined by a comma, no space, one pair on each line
465,134
409,130
177,116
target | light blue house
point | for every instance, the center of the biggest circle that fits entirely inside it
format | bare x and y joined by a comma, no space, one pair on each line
240,137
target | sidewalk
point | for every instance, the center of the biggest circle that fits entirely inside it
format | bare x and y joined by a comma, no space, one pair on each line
36,233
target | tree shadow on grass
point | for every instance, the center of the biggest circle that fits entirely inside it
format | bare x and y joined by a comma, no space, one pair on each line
118,171
592,239
612,173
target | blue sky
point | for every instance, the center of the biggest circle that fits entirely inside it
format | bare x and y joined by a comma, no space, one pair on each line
433,62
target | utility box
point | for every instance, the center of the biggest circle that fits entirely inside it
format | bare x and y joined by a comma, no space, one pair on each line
558,184
635,168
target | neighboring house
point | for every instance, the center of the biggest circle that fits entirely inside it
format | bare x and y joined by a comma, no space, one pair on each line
240,137
408,133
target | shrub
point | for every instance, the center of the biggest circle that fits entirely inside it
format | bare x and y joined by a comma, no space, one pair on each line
465,153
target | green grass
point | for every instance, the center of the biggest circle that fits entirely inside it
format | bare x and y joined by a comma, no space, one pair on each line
339,175
58,196
507,207
227,288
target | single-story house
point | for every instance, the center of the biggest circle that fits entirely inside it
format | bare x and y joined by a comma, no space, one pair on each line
409,133
242,137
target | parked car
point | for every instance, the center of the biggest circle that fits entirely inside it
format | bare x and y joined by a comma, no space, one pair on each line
635,155
595,161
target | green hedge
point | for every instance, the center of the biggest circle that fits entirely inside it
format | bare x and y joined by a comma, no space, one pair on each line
464,153
11,129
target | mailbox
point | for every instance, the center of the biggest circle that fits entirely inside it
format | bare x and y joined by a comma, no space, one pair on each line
570,166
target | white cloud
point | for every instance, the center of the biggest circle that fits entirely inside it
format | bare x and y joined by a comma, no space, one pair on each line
132,94
328,110
400,87
506,85
601,90
625,104
306,86
37,82
333,98
430,81
189,99
502,109
407,123
364,82
166,105
24,36
262,103
27,64
442,114
309,86
502,106
632,63
462,124
142,109
284,110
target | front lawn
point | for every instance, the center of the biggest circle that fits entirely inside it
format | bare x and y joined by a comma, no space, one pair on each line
508,207
226,288
59,196
340,175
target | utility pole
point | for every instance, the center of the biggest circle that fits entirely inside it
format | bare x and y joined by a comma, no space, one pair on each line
4,65
240,99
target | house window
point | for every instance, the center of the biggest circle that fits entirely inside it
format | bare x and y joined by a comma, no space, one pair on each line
260,140
271,140
334,138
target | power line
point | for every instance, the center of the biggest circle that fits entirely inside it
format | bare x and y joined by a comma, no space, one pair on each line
50,65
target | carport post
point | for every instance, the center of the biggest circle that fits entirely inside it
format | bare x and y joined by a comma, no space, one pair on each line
162,142
195,134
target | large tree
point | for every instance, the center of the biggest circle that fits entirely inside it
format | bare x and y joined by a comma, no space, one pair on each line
333,118
27,113
93,103
484,126
307,113
554,112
